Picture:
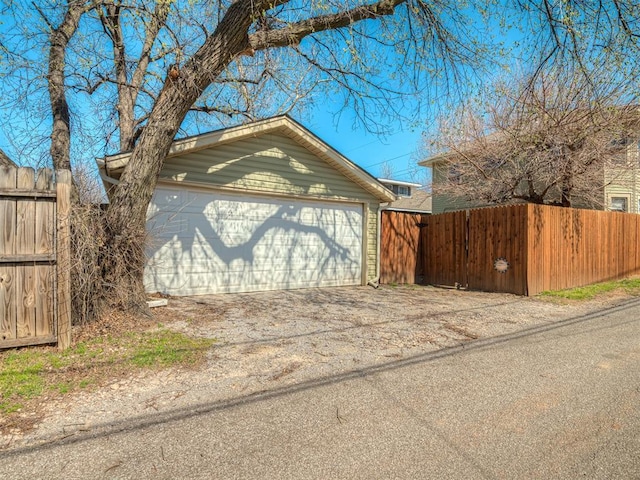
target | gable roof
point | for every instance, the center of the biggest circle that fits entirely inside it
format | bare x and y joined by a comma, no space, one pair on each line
463,149
284,125
5,161
419,202
428,162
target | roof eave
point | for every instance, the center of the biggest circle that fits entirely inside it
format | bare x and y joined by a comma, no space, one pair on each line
405,210
432,160
399,182
114,164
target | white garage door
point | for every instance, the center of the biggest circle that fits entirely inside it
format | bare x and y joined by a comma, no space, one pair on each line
219,243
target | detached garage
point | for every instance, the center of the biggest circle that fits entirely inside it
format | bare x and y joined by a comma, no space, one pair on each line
262,206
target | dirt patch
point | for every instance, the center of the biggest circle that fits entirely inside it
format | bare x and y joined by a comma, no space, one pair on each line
274,339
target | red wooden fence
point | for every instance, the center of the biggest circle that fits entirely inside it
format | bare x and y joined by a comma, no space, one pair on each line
400,247
522,249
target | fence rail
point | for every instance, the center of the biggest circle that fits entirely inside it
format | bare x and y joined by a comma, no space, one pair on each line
522,249
34,257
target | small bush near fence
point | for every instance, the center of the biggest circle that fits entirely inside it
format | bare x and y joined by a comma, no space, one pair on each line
92,298
87,240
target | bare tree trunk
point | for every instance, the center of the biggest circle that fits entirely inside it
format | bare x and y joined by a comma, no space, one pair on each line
129,85
124,260
126,216
61,129
566,183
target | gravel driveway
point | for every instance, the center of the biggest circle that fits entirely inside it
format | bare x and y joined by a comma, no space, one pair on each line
273,340
293,335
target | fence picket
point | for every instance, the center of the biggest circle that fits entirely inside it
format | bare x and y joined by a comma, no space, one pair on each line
400,247
24,245
7,247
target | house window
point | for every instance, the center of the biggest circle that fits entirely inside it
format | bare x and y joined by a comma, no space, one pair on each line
404,191
619,204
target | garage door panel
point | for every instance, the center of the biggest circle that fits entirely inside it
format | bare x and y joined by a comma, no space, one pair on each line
215,243
263,254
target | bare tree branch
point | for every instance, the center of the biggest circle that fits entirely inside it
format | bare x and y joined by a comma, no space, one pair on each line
294,33
557,141
59,39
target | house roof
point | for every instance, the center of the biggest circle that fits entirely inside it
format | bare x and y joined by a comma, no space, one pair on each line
427,162
398,182
5,161
284,125
463,148
419,202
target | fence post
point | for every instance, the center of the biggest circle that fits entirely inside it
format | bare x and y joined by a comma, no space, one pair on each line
63,247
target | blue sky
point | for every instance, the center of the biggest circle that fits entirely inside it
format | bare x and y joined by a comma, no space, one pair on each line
398,150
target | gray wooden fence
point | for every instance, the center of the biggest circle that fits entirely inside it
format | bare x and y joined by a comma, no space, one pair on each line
35,300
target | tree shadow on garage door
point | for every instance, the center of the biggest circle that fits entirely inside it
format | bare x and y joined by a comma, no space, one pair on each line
236,253
224,254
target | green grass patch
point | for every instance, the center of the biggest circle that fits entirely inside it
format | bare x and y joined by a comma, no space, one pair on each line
164,348
29,373
630,286
21,378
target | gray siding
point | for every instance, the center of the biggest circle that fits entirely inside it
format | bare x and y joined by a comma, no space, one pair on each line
445,203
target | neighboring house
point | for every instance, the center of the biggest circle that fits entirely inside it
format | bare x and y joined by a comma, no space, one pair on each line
261,206
5,161
441,203
410,197
621,191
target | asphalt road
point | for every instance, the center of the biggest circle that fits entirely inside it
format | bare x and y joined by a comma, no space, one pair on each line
560,401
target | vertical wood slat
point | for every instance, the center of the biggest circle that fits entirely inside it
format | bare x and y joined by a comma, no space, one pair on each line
580,247
389,262
533,241
495,233
548,248
44,244
444,254
8,176
25,244
63,300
